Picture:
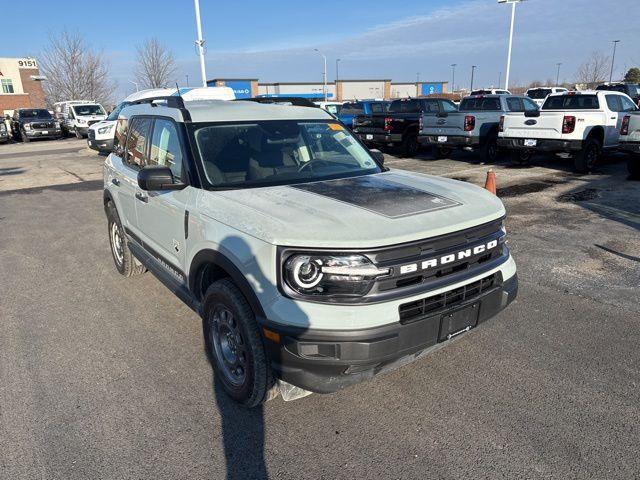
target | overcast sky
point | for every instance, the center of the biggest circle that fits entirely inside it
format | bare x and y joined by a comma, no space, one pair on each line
274,41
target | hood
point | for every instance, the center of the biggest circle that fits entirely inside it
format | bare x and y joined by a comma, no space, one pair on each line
361,212
102,123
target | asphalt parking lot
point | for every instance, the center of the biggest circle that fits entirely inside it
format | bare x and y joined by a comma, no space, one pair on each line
106,377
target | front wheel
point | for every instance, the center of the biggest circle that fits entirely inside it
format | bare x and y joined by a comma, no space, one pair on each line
587,158
77,132
122,257
633,166
234,344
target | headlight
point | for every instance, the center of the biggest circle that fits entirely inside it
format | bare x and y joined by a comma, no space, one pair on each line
27,126
81,121
3,128
105,129
323,275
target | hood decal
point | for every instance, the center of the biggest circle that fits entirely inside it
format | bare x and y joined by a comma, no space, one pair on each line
379,194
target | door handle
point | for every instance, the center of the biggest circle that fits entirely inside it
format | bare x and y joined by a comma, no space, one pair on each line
141,197
115,181
613,118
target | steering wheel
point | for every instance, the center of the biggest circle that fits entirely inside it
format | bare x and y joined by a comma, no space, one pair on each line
311,162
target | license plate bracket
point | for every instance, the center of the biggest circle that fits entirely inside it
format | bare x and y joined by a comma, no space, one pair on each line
458,321
369,136
442,139
530,142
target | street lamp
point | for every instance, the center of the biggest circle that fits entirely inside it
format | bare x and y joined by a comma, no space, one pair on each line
558,74
613,59
135,83
418,77
453,77
324,75
473,69
200,43
513,17
337,62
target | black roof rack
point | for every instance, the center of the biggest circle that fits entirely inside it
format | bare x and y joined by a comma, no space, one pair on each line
171,101
295,101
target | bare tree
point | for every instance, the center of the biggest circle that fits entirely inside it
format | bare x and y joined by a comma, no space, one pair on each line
594,70
155,64
74,71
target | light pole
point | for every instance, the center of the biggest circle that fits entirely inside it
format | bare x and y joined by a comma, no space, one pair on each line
513,18
499,79
453,77
613,59
187,75
200,43
473,69
337,62
135,83
418,77
558,73
324,74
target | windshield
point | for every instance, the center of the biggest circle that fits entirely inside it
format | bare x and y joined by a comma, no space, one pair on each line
278,152
82,110
116,111
35,113
333,109
538,93
571,102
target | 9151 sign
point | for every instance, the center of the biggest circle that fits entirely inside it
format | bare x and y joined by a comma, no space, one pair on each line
27,63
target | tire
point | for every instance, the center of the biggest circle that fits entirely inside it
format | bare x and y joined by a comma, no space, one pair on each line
586,158
633,166
489,149
441,152
410,145
520,158
234,345
23,136
77,132
122,256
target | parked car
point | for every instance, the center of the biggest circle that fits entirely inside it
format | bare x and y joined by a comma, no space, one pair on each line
311,265
349,110
4,133
31,123
490,91
582,124
332,107
400,124
631,89
76,116
474,126
539,94
630,142
100,135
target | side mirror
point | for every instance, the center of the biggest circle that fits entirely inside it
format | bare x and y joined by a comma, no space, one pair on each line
158,178
532,113
378,155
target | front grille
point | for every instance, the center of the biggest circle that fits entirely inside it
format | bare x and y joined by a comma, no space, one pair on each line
91,122
420,308
42,125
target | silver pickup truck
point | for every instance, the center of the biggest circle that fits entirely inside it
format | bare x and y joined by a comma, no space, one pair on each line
474,127
630,142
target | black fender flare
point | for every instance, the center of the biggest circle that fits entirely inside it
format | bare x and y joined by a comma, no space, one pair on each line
222,261
106,198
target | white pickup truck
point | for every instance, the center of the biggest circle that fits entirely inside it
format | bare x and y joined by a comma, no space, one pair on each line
582,124
630,142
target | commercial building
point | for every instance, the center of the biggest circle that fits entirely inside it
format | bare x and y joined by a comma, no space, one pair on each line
20,84
341,90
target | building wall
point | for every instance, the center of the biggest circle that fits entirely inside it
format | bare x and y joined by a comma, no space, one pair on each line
306,90
26,91
404,90
364,89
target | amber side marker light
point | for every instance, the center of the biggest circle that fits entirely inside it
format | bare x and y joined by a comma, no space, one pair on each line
273,336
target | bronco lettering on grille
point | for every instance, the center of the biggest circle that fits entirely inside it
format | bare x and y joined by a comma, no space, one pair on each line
449,258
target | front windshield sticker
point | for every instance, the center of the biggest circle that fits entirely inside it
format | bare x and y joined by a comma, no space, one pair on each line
379,194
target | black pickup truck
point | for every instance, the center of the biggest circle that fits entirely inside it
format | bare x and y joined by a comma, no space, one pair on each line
400,124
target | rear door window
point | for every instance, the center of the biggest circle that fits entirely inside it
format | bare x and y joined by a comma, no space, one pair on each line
448,106
352,109
135,151
514,104
613,103
378,107
430,106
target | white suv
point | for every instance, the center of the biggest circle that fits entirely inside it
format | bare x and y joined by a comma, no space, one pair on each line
311,264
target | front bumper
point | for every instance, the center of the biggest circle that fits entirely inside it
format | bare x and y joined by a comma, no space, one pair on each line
631,147
455,141
100,145
50,133
328,360
542,144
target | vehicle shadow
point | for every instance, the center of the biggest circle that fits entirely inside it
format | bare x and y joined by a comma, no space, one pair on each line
243,429
11,171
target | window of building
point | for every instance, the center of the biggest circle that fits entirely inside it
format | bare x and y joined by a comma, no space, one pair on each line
7,85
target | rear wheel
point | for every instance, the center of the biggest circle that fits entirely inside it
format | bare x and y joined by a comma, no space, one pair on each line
234,344
441,152
520,158
633,165
489,150
587,158
410,145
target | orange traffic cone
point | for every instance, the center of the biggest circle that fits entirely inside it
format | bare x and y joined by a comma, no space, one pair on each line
490,183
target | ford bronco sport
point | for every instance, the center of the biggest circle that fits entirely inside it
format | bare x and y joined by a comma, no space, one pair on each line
310,263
